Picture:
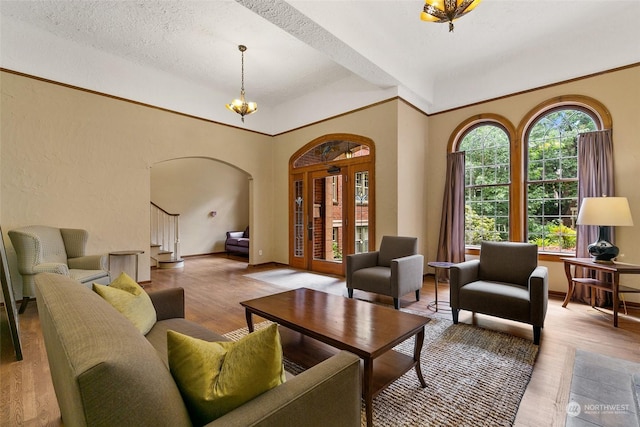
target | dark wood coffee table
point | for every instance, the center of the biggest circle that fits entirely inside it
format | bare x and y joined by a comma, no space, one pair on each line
336,323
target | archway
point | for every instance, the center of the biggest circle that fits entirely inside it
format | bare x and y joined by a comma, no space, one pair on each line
331,202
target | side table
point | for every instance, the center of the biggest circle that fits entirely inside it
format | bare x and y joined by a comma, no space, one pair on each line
134,253
613,286
436,266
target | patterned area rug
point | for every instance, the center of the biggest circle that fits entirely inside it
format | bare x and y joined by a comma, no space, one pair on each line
475,377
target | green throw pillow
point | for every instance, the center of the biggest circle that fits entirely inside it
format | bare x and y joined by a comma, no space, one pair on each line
217,377
131,300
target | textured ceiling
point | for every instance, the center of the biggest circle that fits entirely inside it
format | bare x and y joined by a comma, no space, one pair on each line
311,59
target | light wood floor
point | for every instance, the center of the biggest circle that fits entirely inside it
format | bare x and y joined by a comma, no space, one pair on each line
215,285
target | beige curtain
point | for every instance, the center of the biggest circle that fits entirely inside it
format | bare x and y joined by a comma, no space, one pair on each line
595,177
451,241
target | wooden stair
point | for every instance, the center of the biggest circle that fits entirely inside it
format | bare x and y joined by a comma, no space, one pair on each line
164,259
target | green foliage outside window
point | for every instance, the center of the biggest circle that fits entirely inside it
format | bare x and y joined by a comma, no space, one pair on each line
551,180
479,228
337,251
487,178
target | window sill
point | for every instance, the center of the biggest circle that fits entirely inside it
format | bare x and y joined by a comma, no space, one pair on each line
542,256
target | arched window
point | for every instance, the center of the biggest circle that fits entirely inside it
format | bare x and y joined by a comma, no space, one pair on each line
487,181
487,142
552,176
523,186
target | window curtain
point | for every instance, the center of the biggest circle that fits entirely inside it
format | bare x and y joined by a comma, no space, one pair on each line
595,179
451,241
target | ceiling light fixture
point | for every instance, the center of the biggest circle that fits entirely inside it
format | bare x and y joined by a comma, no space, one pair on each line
447,10
241,106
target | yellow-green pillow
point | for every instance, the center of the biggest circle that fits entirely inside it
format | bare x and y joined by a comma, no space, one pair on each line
131,300
217,377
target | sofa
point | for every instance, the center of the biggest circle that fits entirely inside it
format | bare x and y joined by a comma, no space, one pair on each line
106,373
237,242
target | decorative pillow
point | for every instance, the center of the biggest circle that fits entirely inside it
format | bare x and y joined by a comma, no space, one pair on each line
128,297
217,377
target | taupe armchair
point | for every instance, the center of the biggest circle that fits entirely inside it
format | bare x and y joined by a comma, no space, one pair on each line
394,270
42,249
505,282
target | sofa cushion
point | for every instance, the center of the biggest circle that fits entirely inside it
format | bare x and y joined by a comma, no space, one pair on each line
393,247
128,297
217,377
509,262
157,336
506,300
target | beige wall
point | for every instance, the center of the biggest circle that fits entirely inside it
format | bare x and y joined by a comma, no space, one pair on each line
378,123
414,178
73,158
619,92
76,159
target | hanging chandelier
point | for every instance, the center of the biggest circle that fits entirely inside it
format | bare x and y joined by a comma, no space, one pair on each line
447,10
241,106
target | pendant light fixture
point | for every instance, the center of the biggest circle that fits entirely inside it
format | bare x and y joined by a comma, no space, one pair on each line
447,10
241,106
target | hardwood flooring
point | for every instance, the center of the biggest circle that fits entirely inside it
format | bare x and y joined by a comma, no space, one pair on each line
214,286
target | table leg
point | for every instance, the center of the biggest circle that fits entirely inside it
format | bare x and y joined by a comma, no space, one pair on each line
436,283
567,271
247,314
368,390
616,300
417,350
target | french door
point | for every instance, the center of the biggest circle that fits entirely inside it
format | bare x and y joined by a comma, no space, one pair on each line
330,216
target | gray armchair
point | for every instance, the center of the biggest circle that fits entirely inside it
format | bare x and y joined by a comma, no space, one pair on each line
394,270
56,250
505,282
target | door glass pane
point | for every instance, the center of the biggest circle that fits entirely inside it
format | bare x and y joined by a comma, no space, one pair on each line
361,183
298,220
327,218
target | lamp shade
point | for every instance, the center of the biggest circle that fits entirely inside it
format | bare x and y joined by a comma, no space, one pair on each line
606,211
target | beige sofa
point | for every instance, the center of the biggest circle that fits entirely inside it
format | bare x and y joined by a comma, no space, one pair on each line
106,373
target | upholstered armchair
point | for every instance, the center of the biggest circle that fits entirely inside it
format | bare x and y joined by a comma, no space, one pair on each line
394,270
505,282
42,249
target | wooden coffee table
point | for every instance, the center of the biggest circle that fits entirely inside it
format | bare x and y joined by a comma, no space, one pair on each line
320,324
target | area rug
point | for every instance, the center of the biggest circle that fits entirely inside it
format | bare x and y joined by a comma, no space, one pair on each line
287,278
475,377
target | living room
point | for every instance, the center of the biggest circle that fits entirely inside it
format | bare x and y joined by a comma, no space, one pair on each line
78,156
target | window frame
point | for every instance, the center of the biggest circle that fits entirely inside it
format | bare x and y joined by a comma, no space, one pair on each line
528,182
462,136
519,153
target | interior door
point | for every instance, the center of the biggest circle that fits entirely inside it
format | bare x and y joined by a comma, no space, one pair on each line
326,221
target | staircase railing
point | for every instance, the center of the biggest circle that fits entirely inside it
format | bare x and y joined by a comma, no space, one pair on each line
165,230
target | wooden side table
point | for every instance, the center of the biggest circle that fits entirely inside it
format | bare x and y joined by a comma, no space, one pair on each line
134,253
436,266
615,269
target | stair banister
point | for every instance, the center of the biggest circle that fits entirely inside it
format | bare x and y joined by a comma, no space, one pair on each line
165,230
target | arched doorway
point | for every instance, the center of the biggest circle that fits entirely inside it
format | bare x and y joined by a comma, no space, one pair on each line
331,202
211,196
